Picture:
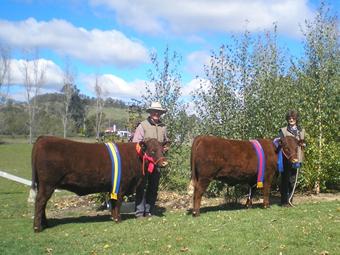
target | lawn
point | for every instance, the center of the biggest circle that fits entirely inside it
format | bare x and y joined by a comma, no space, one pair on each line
310,228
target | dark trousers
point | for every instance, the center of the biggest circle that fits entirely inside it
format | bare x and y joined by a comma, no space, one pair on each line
288,177
146,193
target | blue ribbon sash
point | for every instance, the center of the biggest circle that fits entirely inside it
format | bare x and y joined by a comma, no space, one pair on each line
116,169
279,156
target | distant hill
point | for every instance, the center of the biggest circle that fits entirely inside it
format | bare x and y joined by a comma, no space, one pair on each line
14,115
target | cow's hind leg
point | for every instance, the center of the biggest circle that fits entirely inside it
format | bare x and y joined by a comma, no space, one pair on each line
199,188
40,220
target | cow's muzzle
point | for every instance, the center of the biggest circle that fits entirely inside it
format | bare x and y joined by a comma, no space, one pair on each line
294,160
163,164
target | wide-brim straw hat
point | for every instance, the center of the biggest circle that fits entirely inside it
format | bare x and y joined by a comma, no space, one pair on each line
156,106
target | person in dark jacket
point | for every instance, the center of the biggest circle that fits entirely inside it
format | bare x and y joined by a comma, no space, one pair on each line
288,176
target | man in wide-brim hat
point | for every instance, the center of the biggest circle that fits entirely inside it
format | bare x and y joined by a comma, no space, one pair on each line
156,107
152,127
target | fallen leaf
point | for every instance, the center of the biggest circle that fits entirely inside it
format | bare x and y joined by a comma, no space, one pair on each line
184,249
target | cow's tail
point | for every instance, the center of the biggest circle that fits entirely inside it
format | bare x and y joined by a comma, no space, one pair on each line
33,190
194,173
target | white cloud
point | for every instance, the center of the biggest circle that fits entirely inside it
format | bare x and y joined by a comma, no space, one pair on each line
190,16
52,82
115,87
96,47
194,85
53,74
196,61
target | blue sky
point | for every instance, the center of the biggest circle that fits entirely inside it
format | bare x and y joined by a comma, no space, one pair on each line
113,38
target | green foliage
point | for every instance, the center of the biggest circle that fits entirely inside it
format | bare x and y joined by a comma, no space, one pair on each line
135,117
13,119
177,175
164,86
247,89
319,86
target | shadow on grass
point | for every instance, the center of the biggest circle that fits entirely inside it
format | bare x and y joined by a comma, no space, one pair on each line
274,200
53,222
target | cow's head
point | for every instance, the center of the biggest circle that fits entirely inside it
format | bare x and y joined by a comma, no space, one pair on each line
289,145
154,151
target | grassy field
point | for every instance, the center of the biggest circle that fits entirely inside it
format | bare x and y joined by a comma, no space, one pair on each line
311,228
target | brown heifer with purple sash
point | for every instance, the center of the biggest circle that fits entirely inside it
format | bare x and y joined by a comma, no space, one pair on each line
234,162
86,168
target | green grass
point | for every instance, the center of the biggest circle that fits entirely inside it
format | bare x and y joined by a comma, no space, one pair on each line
117,114
307,229
15,158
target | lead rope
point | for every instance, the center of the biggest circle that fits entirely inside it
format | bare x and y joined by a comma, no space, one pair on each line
296,178
292,194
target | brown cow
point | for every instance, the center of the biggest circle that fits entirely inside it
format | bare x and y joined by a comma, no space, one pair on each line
85,168
233,162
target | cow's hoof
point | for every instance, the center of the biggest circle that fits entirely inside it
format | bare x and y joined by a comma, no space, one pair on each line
266,206
195,214
117,220
37,229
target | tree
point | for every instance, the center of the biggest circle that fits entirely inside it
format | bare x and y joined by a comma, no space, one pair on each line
134,115
67,90
216,100
99,106
5,67
33,71
164,86
271,91
77,109
319,85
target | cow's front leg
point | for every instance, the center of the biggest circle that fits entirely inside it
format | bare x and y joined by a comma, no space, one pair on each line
266,193
115,210
249,202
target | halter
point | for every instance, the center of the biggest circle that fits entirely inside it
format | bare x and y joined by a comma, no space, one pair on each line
145,157
286,154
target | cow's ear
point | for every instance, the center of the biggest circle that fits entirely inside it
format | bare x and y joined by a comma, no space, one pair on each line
142,144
